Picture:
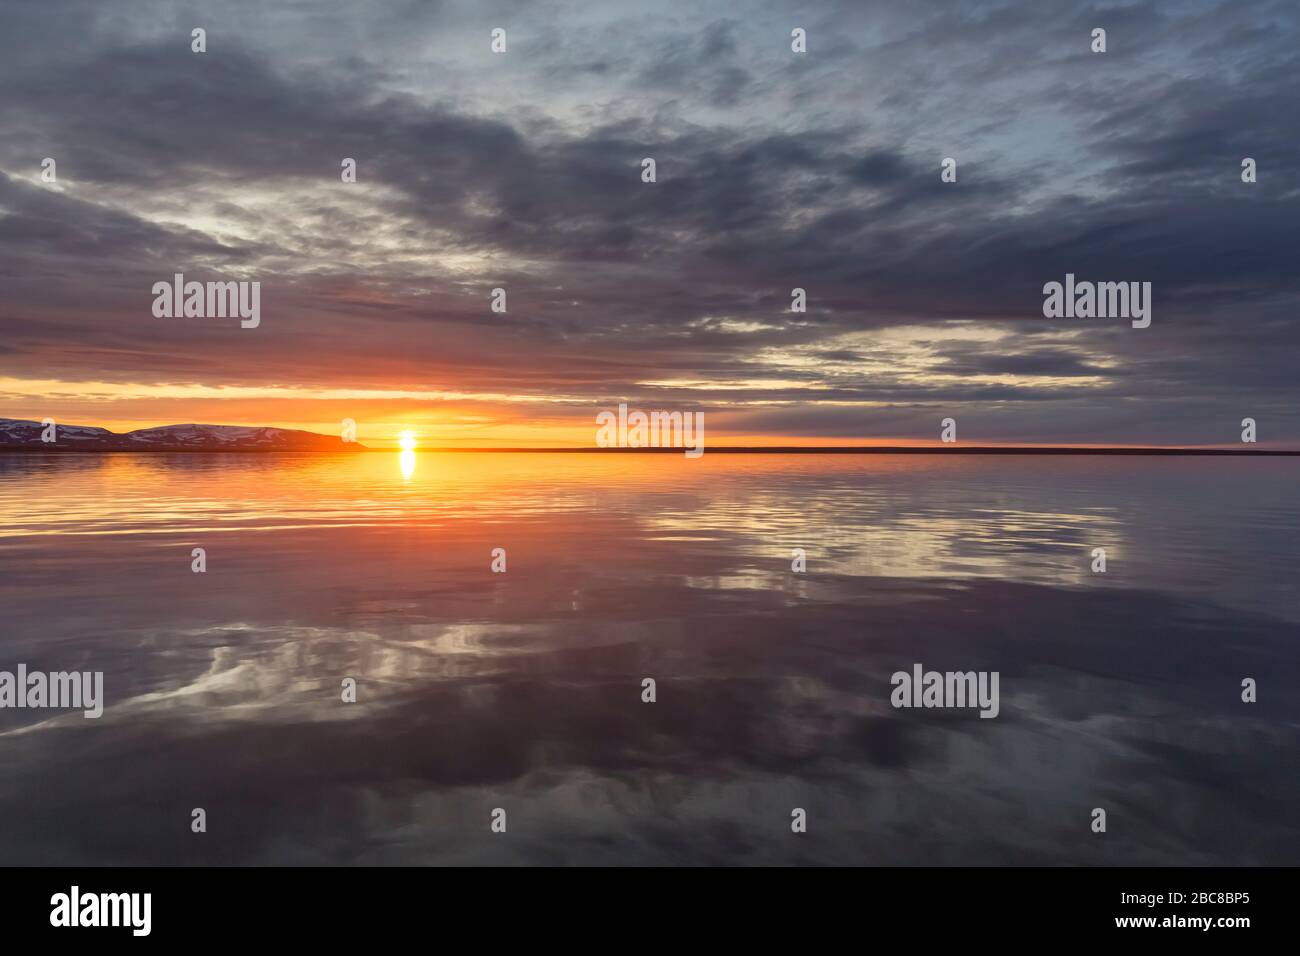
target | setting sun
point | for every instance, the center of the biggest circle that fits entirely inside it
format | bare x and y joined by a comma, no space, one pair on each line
406,440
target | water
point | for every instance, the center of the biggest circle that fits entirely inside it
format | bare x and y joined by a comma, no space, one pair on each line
522,690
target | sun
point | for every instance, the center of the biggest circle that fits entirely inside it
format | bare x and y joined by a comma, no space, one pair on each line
406,440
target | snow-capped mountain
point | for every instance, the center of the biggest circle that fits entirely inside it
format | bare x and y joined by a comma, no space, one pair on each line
17,431
20,434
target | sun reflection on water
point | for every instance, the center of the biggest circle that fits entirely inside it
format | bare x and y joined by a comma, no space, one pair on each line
406,441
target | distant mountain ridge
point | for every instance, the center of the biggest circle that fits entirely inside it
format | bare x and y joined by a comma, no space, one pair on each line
20,434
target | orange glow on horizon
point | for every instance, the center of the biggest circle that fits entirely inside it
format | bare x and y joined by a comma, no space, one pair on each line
450,423
503,429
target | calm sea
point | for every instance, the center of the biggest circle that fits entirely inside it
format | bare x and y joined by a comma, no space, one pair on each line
522,690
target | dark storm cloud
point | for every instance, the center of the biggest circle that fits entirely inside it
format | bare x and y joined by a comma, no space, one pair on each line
1055,363
773,172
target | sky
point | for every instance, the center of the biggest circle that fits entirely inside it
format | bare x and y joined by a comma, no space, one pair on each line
775,170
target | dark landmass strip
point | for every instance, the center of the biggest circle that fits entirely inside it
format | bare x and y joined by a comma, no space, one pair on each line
17,435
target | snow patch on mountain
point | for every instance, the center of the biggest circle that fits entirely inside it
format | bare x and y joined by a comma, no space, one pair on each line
211,435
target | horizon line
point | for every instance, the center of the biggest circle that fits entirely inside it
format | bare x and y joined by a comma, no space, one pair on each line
935,449
1104,450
